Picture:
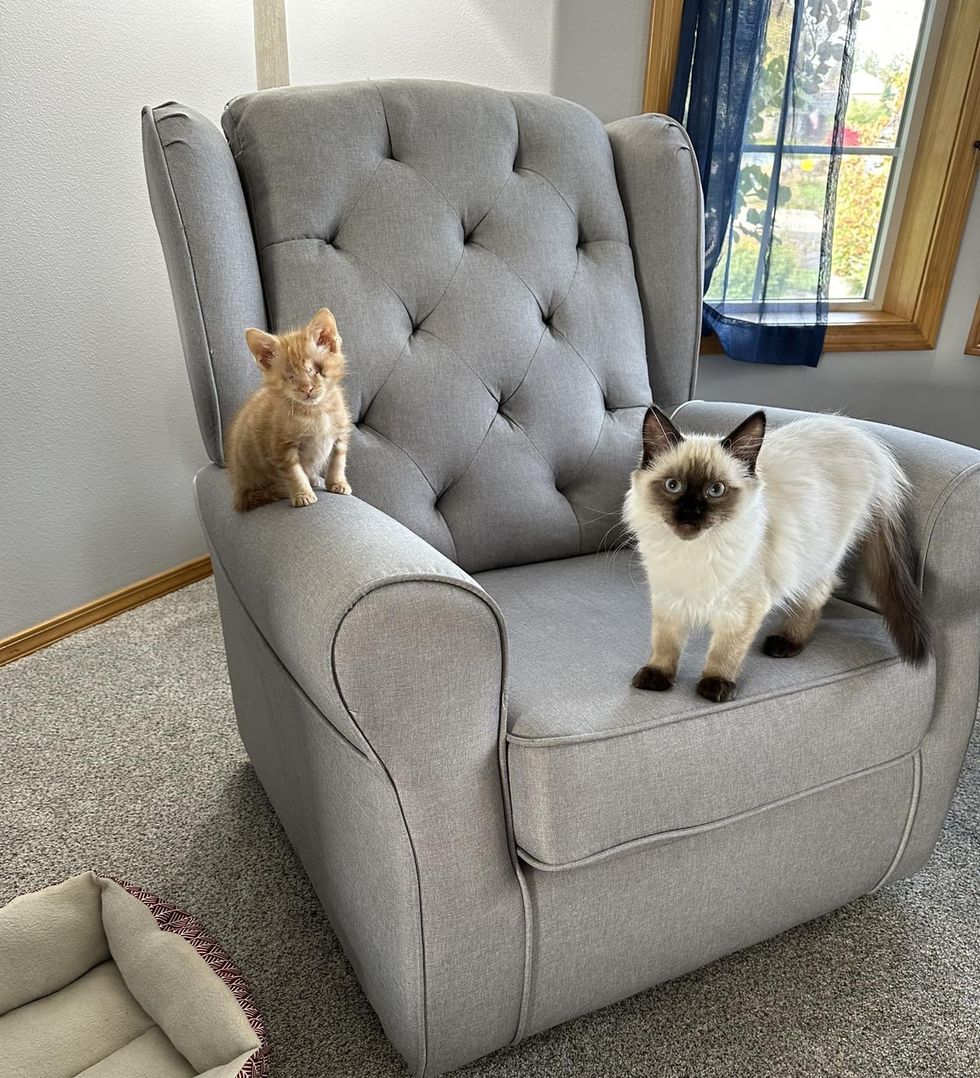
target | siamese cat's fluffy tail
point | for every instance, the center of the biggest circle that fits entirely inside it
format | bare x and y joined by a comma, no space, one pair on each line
891,560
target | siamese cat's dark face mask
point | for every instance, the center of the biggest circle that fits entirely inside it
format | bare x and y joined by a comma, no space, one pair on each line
697,483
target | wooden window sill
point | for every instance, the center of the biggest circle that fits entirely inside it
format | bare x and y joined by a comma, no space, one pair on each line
859,331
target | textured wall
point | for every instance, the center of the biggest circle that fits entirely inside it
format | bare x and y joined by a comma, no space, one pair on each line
97,436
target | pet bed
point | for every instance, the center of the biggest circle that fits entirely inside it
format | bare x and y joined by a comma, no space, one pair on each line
103,979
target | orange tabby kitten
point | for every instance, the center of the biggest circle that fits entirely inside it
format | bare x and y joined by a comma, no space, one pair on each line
294,428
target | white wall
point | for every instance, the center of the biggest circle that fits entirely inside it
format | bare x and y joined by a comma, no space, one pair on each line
97,437
580,49
503,43
97,434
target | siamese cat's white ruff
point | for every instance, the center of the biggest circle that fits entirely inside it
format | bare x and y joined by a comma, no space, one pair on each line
729,528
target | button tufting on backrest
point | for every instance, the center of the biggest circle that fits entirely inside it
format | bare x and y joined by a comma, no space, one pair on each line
475,231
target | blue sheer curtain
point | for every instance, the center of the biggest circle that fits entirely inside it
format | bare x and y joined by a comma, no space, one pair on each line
762,88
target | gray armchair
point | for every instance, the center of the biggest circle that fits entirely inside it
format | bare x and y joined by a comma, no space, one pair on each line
432,678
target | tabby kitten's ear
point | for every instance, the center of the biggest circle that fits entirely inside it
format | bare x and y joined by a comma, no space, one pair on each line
323,329
659,435
745,441
262,345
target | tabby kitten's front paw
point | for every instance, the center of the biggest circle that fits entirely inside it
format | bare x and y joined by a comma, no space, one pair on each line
339,488
649,677
303,498
716,689
779,647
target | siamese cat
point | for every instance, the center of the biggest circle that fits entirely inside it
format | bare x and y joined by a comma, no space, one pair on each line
728,528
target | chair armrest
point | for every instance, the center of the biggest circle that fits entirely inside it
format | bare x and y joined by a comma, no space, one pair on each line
404,655
308,578
658,182
945,509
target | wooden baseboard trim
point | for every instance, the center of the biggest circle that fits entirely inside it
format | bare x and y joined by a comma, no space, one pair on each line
39,636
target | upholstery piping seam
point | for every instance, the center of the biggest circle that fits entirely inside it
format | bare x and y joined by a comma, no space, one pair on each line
299,688
581,472
933,519
237,152
472,460
510,419
449,348
371,269
561,740
932,522
582,358
909,821
292,239
492,204
423,1016
513,393
374,430
502,777
662,837
550,183
219,437
561,302
384,381
435,495
366,589
504,262
698,260
384,113
442,294
608,412
698,253
418,172
360,198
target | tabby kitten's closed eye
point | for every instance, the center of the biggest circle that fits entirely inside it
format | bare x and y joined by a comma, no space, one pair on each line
728,528
294,428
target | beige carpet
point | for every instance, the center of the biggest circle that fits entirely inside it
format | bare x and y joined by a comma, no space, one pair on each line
118,752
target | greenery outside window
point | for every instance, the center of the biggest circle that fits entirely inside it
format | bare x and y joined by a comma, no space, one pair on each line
906,175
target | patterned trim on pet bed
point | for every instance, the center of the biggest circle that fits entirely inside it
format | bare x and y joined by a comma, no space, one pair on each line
171,919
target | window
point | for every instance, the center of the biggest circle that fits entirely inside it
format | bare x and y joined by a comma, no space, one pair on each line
905,178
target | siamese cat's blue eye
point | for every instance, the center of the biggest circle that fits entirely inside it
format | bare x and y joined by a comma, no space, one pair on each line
715,490
674,486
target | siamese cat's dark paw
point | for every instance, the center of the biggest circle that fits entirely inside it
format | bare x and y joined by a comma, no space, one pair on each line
649,677
779,647
716,689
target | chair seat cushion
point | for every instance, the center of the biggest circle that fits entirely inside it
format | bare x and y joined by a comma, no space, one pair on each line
595,764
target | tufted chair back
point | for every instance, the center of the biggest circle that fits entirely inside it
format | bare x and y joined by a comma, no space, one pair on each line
474,248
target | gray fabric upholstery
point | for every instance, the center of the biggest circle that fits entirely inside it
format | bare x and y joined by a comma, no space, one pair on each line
595,763
475,252
207,242
383,756
658,181
946,515
607,929
511,279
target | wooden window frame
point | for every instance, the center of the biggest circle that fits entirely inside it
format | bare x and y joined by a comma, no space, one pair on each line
939,193
973,337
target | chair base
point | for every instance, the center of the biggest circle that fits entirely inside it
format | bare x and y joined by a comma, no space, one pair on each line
601,930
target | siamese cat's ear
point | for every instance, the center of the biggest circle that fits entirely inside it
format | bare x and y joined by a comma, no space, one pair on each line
659,435
745,441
